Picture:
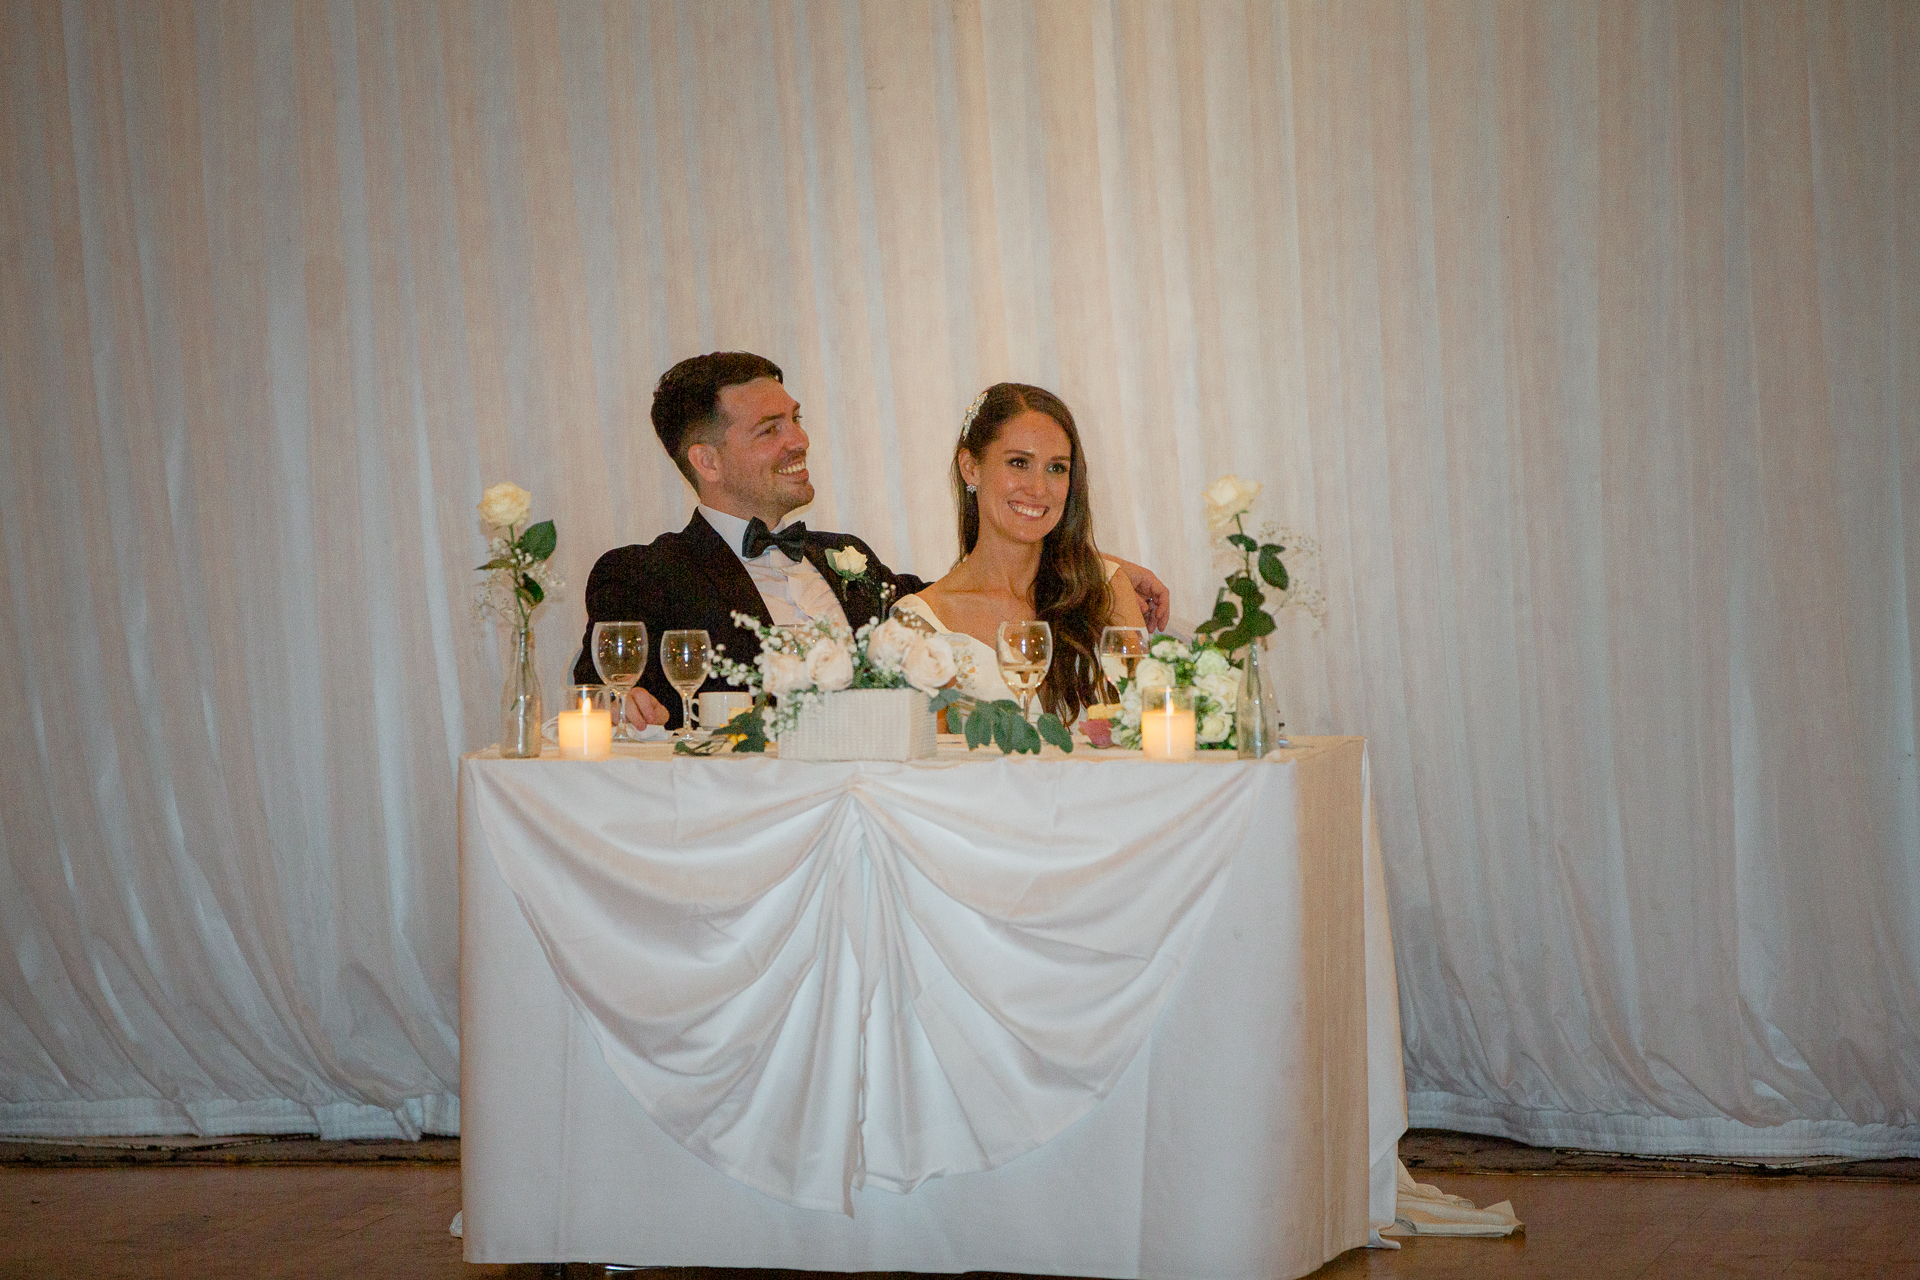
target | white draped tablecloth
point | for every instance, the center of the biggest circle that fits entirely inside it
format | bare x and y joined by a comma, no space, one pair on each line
1080,1014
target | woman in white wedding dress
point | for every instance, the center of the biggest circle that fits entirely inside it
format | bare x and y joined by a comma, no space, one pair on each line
1026,549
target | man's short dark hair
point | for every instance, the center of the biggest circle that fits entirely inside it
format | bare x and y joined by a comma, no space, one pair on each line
686,404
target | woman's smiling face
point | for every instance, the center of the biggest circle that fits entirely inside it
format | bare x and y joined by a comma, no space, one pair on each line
1022,477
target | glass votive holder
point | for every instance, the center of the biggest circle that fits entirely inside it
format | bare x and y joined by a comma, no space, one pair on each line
584,728
1166,723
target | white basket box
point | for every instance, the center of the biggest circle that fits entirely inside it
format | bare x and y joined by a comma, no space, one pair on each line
863,724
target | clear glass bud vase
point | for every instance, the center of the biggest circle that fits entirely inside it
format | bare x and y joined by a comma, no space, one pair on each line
1256,729
520,703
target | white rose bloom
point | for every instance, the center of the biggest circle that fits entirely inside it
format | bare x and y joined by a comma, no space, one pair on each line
783,673
1223,687
887,644
505,504
847,561
1228,497
1152,674
1164,648
929,663
830,663
1211,663
1130,705
1214,727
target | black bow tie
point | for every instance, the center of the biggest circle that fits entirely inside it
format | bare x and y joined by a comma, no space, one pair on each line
792,539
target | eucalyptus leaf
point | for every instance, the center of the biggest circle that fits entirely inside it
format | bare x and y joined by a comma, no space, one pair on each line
539,540
1053,731
1003,731
980,726
1026,738
1272,567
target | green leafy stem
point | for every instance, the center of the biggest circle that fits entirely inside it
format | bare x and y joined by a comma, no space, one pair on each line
1240,615
529,549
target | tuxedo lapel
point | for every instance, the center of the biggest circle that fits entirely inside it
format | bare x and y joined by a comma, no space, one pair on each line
727,582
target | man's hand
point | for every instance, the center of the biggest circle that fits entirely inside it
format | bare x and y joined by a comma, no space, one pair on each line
1155,599
643,708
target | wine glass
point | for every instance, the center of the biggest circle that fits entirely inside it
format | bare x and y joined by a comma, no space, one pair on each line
620,656
1121,649
1025,650
686,658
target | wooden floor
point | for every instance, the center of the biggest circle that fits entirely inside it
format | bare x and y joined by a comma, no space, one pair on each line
390,1223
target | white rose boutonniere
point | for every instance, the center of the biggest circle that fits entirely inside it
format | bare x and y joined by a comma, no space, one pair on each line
848,562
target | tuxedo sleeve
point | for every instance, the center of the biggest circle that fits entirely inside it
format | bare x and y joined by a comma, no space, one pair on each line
622,587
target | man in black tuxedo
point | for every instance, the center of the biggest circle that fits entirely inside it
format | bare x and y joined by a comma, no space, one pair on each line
728,423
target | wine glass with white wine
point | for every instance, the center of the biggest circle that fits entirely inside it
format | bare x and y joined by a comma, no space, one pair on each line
620,656
1025,651
686,658
1121,649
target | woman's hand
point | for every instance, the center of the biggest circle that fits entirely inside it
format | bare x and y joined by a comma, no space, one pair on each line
1155,600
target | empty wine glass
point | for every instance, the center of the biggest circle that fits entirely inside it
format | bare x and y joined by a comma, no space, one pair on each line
1025,651
1121,649
686,658
620,656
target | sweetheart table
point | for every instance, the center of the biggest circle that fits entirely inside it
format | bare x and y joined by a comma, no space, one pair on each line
1077,1014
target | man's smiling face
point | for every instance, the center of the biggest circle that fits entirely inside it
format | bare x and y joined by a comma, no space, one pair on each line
759,465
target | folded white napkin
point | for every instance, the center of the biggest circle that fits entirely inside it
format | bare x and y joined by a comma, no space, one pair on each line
1424,1210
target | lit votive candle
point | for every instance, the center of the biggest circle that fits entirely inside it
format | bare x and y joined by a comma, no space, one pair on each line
1167,725
585,725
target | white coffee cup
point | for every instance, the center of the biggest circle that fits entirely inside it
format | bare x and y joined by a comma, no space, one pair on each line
718,708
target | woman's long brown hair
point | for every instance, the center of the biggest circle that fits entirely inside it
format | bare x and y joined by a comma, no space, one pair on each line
1070,588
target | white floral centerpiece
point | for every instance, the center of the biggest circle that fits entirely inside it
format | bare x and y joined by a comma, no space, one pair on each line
825,693
1224,690
1174,663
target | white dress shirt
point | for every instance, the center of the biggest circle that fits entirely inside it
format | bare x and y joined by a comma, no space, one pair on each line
793,590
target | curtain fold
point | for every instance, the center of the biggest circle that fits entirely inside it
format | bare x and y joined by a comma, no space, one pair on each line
1584,337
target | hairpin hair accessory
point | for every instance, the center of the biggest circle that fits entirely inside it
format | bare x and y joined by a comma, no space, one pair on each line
973,411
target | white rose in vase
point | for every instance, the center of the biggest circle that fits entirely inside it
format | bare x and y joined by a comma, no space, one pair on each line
505,505
830,663
1228,497
929,664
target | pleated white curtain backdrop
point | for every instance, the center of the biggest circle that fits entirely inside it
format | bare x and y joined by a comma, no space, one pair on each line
1584,336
